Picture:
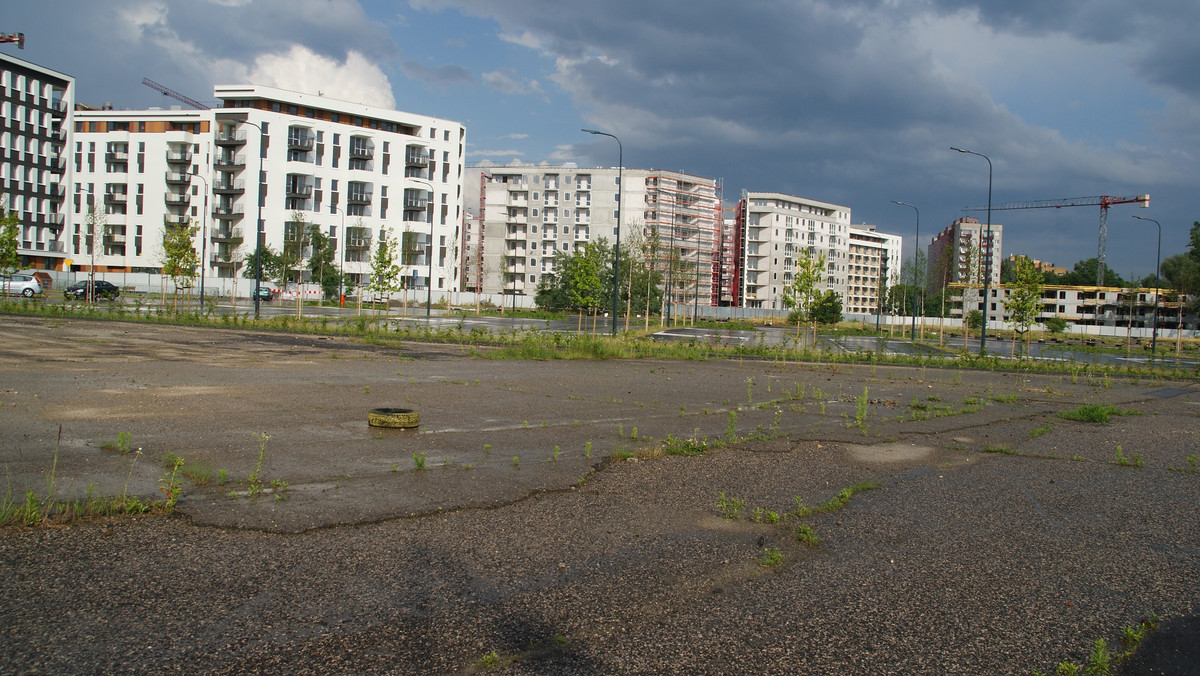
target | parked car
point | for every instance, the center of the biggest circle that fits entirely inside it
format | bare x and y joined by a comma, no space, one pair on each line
43,278
264,293
80,291
20,284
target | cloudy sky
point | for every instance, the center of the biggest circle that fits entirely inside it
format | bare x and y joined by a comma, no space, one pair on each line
854,102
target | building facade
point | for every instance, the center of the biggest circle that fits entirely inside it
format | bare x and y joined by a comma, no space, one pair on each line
872,267
960,255
36,105
272,162
775,231
527,214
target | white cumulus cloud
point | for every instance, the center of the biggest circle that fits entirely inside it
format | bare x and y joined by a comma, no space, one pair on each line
300,69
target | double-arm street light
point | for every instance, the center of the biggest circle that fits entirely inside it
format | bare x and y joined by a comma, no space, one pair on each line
617,246
1157,263
987,278
916,248
203,239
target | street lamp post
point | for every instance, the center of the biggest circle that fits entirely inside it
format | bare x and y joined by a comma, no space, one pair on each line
1157,263
916,248
617,246
341,257
203,239
987,279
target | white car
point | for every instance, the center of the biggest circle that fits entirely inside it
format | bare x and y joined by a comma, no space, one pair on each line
20,285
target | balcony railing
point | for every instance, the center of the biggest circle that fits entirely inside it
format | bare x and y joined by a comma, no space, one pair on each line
415,202
116,156
358,243
176,198
227,212
230,162
229,187
416,159
358,198
226,234
302,191
177,177
230,138
116,198
301,142
180,157
361,152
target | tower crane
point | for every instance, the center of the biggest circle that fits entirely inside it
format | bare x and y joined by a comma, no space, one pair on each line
1102,201
18,38
167,91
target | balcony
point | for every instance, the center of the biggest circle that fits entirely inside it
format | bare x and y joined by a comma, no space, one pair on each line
230,138
229,187
182,157
358,198
301,142
114,238
227,212
218,260
226,234
116,156
176,199
415,202
176,177
230,162
358,243
176,219
361,152
116,198
414,159
58,166
511,218
303,191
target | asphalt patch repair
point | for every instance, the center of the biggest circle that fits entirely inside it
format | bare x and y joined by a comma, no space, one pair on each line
547,534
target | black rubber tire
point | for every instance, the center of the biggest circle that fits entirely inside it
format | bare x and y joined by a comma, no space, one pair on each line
28,293
401,418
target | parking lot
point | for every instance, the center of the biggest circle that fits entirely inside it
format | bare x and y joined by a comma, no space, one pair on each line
1000,537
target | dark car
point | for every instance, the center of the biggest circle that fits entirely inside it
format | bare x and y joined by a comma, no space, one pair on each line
80,291
264,293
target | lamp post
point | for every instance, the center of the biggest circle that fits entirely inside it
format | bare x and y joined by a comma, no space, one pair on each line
987,279
203,239
916,248
341,257
429,253
1157,263
617,246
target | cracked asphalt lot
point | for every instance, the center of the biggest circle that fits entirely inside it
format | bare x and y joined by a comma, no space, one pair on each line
1000,538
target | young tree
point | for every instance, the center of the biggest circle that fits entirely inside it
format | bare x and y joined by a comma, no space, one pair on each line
10,257
322,263
802,293
585,279
95,229
179,256
1024,301
272,265
385,273
827,309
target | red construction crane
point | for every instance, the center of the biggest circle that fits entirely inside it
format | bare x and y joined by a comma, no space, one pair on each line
1102,201
18,38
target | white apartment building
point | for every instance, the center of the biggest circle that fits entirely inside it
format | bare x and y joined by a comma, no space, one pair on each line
36,109
527,213
351,169
777,229
960,253
872,267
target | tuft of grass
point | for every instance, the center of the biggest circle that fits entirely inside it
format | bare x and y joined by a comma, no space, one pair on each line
843,497
1095,413
1039,431
1193,465
771,557
729,507
684,446
1001,448
805,534
1136,461
418,461
587,450
516,462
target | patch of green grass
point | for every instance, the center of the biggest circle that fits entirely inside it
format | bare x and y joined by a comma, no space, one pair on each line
1193,465
622,455
1135,461
771,557
1095,413
805,534
684,446
729,507
1005,398
1039,431
999,448
418,461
